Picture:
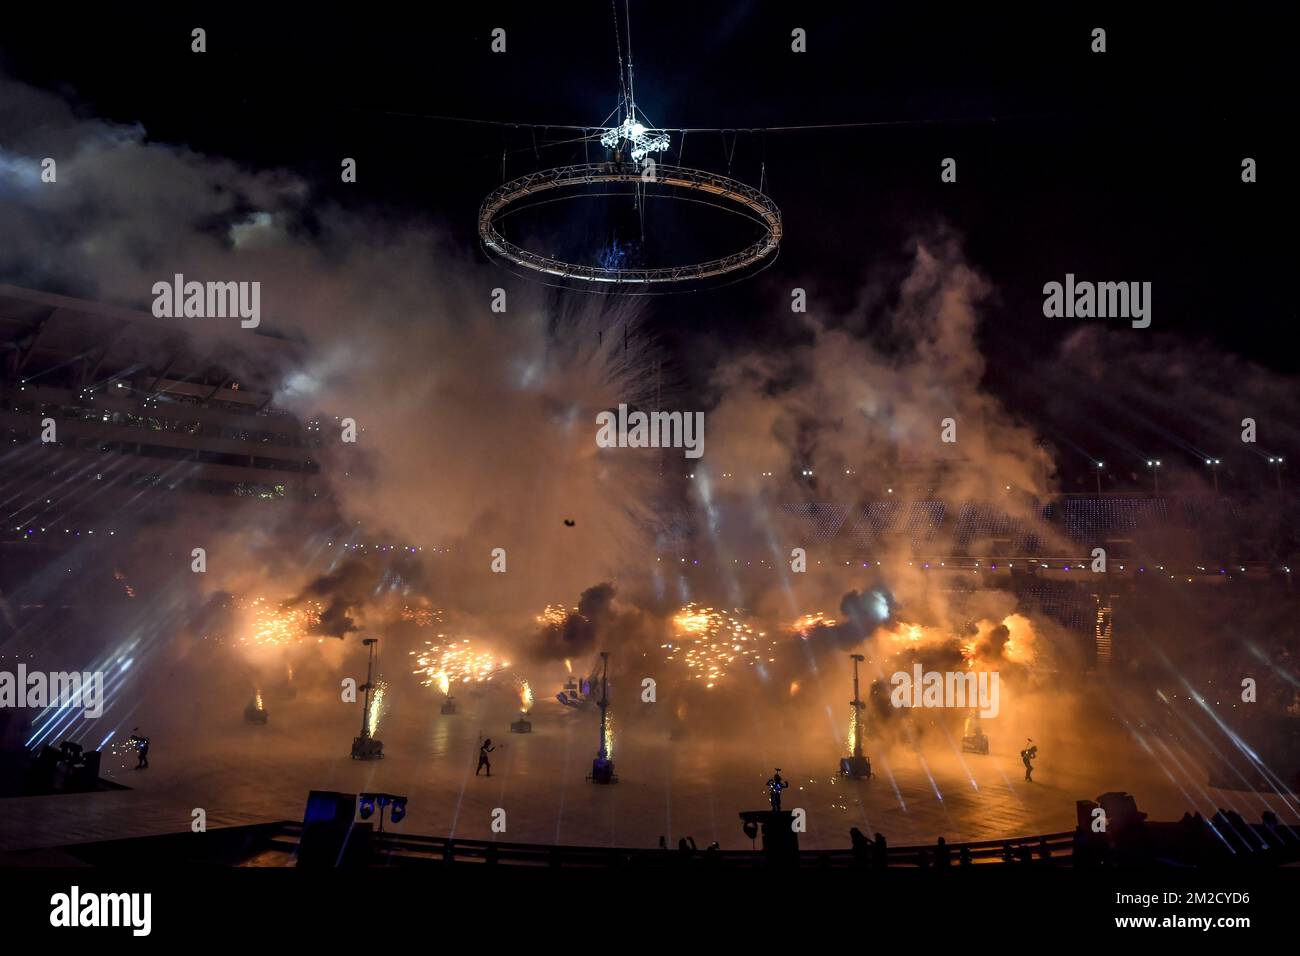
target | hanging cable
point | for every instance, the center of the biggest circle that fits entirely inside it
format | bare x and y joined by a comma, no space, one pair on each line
711,129
618,46
631,86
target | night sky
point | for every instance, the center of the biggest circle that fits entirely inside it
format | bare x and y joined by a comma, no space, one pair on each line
1119,166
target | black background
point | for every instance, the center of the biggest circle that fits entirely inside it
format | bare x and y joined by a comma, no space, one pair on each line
1124,165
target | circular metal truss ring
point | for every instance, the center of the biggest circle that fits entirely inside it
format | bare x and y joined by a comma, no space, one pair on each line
755,204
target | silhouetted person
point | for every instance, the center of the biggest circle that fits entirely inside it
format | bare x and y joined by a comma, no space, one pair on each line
880,852
964,857
1008,854
774,787
942,857
1027,757
861,847
663,842
1044,851
484,749
713,847
687,845
141,749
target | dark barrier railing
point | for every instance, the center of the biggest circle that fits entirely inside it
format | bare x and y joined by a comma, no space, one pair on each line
415,849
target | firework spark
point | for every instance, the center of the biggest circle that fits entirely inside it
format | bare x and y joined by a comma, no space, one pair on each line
554,615
1012,640
711,643
913,636
1009,641
806,624
119,576
455,662
280,625
377,706
423,616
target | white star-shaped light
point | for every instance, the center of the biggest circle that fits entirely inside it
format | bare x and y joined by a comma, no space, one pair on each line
644,141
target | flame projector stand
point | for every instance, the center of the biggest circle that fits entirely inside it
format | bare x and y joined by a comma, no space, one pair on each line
602,768
366,747
857,765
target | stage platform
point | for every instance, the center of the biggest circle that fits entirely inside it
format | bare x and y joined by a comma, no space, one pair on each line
241,774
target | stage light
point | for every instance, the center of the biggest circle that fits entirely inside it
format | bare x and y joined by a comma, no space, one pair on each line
642,140
367,802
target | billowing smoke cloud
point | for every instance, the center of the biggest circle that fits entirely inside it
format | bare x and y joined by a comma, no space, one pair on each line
580,629
846,403
344,588
476,429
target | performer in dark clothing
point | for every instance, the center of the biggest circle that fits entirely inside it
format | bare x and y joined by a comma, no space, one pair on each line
774,787
484,749
1027,757
141,745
